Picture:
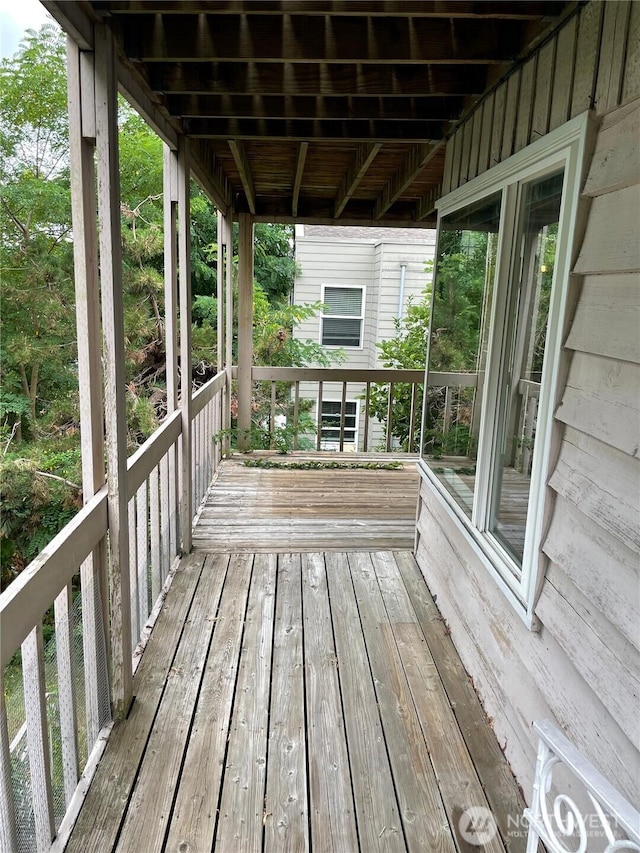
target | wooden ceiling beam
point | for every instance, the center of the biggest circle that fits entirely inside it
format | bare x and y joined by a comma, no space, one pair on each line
515,9
299,38
244,168
426,206
209,175
310,107
365,155
297,181
415,161
347,79
290,130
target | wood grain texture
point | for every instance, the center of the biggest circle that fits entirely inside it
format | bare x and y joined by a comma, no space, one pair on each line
587,553
423,815
490,764
242,806
270,656
602,399
99,821
286,799
631,78
612,55
149,811
584,473
616,160
611,242
563,76
500,652
587,57
195,814
607,317
260,510
332,814
378,819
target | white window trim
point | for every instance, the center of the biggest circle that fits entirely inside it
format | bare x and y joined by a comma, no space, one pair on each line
565,147
357,413
361,287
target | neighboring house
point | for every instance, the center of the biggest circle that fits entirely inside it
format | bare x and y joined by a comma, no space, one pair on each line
365,278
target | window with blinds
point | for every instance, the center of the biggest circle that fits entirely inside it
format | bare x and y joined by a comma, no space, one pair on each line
341,324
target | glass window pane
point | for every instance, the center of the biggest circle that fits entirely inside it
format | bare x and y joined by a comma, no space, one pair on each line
522,358
343,300
461,310
341,332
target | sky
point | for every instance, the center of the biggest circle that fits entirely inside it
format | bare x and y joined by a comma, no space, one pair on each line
16,16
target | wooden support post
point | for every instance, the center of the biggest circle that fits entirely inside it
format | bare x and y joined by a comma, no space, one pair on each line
228,357
113,332
93,572
245,329
221,257
184,282
170,196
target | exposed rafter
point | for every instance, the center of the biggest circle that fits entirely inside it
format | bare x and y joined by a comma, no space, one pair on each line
297,181
244,168
364,157
308,130
405,175
314,107
515,9
209,174
298,38
315,78
427,204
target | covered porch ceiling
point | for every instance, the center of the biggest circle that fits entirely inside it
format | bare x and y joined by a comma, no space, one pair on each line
316,111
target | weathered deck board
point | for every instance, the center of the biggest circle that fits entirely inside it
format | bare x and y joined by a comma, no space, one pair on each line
256,510
293,702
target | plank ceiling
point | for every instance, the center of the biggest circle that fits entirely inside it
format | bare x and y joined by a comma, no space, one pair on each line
323,110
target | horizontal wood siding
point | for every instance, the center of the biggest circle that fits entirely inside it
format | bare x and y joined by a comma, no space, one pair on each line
583,667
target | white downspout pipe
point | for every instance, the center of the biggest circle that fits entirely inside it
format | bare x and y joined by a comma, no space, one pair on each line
403,275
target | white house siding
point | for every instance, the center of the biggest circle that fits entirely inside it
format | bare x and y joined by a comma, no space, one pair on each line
582,668
366,257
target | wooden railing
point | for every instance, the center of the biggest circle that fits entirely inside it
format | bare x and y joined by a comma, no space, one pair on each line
395,395
65,703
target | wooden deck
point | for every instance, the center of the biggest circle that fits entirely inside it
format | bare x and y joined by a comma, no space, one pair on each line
297,702
257,510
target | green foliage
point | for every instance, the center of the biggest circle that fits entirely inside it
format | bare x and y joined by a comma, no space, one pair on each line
274,264
34,506
406,350
320,465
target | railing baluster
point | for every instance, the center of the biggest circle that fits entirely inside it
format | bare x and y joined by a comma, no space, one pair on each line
154,533
272,421
35,705
133,572
367,403
142,516
446,426
319,430
296,413
389,417
63,609
165,514
412,417
343,407
91,624
8,837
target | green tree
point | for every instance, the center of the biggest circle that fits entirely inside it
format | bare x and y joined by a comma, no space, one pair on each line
406,350
37,351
